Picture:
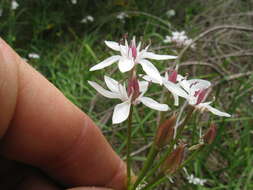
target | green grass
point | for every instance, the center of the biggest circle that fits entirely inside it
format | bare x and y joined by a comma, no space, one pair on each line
68,49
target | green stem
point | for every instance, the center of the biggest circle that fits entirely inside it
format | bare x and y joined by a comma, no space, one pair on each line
158,180
148,163
129,139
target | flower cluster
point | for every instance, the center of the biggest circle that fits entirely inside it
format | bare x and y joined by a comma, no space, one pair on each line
180,39
194,91
195,180
14,5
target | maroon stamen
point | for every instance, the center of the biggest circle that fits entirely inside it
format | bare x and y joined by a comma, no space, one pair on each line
133,88
201,95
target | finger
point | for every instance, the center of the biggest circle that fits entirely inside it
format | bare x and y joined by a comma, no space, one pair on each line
89,188
14,175
48,131
37,182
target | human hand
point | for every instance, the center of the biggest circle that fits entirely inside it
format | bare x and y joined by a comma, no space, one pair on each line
46,141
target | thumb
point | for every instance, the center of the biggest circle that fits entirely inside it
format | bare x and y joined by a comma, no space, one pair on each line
89,188
40,127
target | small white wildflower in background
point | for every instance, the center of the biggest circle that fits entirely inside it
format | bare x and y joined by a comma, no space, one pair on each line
141,185
14,5
87,19
73,2
195,180
180,39
1,12
171,13
122,16
33,56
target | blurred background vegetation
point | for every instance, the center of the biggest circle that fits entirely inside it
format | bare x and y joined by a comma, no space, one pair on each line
68,45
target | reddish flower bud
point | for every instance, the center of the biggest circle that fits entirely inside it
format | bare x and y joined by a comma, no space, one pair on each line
165,132
210,134
133,88
173,76
174,160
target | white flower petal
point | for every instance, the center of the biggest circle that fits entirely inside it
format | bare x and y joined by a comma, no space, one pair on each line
185,85
123,92
121,112
150,55
102,91
199,84
112,84
212,109
113,45
107,62
150,70
143,86
150,79
175,89
125,64
149,102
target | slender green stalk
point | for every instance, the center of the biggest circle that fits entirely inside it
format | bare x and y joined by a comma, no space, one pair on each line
129,143
148,163
158,180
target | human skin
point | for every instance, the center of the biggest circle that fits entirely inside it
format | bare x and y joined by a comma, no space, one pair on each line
46,141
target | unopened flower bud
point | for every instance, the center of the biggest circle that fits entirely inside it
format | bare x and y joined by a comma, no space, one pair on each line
174,160
165,132
210,134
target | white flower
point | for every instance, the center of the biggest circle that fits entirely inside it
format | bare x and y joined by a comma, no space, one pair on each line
33,55
195,180
180,39
73,2
130,56
14,5
171,13
171,83
118,91
196,90
87,19
122,16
